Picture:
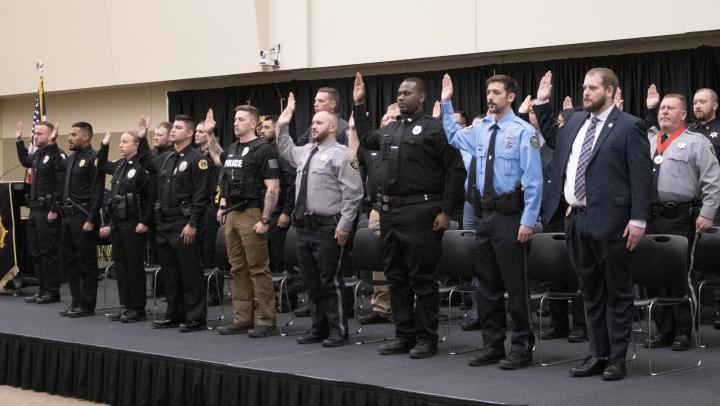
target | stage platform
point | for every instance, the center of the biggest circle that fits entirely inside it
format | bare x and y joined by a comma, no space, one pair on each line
133,364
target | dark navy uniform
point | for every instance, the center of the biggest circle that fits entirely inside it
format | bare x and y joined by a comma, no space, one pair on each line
182,198
422,176
48,164
82,197
128,203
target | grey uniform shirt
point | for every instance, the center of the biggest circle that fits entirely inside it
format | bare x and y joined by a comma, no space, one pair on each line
334,187
689,171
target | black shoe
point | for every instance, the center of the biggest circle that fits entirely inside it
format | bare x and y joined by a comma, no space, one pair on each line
213,301
117,315
423,350
681,343
591,366
552,333
133,316
335,341
231,329
659,341
167,323
396,346
80,312
470,325
193,325
578,335
374,318
48,297
302,312
33,298
311,338
614,370
487,356
516,360
262,331
64,312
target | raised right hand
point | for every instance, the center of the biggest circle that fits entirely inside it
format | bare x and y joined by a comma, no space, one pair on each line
359,90
18,131
653,97
447,88
525,106
143,125
287,114
106,139
545,88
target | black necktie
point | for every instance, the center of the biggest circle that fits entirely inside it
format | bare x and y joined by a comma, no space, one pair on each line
488,187
301,203
472,180
68,174
34,181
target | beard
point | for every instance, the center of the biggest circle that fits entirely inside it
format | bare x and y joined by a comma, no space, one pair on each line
596,105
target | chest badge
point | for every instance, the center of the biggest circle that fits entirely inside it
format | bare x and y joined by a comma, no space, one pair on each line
611,125
183,166
417,130
46,159
681,145
713,134
323,158
131,173
508,141
245,151
82,163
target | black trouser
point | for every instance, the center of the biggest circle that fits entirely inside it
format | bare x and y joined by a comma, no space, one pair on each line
207,233
43,243
182,273
411,250
501,261
559,319
318,256
276,245
675,320
129,247
607,289
80,260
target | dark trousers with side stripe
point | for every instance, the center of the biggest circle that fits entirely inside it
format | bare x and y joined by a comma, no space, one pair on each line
318,255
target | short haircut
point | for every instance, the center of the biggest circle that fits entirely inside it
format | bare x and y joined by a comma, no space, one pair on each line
332,92
509,83
418,83
713,95
274,119
463,115
85,127
187,120
609,78
135,137
683,100
48,124
201,122
165,125
252,110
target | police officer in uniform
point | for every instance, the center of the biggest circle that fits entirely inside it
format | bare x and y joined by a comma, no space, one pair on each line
328,195
686,195
182,197
82,196
48,165
250,186
129,205
505,187
422,183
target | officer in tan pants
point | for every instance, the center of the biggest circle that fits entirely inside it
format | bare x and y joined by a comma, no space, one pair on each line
250,186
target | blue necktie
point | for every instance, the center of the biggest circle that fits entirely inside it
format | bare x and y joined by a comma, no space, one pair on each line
584,160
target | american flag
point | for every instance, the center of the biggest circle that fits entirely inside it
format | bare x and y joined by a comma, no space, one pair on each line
39,115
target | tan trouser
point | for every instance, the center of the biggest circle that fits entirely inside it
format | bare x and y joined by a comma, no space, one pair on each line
381,293
247,253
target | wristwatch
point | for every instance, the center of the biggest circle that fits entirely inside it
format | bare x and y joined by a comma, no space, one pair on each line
265,221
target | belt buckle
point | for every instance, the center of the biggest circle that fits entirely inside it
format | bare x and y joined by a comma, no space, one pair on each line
568,211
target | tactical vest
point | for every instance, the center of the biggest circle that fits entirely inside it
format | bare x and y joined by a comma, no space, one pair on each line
241,178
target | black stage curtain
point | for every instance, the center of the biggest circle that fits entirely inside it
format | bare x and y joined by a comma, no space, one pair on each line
119,377
679,71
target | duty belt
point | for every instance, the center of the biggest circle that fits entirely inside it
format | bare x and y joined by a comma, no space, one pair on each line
314,221
385,202
72,208
508,203
673,210
42,202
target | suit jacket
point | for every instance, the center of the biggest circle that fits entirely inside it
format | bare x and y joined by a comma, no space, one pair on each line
618,179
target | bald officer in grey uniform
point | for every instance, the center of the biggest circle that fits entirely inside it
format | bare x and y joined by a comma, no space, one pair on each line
686,195
328,192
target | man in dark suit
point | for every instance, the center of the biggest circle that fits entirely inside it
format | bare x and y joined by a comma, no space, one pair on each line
603,173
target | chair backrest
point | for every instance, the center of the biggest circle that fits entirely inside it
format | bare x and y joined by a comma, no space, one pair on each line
457,258
367,253
660,261
221,258
290,250
363,222
707,252
549,261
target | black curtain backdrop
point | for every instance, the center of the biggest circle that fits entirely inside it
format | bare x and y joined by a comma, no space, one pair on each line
680,71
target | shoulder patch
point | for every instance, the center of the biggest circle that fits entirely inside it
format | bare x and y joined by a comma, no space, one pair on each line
534,143
354,163
202,164
273,163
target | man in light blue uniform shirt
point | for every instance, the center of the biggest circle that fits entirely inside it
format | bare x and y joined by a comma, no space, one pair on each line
505,189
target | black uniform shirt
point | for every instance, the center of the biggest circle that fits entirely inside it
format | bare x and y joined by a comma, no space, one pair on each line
255,161
711,130
83,185
370,171
48,165
182,179
128,176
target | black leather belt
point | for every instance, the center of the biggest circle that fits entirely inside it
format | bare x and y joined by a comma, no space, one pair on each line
673,210
575,210
385,202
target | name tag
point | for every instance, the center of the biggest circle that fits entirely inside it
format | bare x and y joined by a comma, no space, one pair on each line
234,163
